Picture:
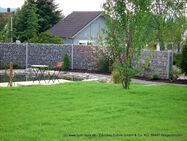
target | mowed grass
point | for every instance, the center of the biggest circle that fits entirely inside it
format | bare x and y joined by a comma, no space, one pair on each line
93,111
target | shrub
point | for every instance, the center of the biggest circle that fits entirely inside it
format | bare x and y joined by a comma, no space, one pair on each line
16,66
154,77
103,56
3,66
116,77
66,64
184,60
176,72
103,64
177,59
46,37
7,66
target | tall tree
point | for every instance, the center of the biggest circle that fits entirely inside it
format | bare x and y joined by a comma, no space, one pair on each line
168,20
128,33
175,31
48,13
25,22
3,20
3,25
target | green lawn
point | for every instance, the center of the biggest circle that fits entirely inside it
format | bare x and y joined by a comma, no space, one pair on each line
105,111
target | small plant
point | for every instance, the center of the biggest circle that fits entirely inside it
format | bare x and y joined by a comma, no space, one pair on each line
154,77
7,66
176,72
66,64
16,66
4,66
116,77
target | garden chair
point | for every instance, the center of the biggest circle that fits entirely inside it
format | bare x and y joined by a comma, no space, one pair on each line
57,68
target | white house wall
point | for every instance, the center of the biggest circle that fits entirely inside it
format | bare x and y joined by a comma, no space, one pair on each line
67,41
91,32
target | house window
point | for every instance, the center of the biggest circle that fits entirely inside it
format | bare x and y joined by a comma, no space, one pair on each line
82,42
86,42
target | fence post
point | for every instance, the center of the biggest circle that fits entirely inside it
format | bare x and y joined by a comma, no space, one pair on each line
26,57
170,63
72,57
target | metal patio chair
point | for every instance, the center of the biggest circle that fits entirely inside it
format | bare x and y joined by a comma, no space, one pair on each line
55,75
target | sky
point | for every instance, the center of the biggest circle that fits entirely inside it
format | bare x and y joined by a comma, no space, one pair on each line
67,6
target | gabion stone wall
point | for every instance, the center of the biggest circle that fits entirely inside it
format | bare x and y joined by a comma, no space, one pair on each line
12,53
81,57
85,57
156,63
47,54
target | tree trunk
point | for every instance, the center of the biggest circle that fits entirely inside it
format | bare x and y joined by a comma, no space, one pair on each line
125,82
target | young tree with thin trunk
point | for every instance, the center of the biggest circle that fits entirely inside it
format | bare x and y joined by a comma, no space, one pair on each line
128,33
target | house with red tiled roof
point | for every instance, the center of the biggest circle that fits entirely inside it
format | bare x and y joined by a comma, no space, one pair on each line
81,27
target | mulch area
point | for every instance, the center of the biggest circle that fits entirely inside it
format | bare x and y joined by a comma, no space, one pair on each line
163,80
140,78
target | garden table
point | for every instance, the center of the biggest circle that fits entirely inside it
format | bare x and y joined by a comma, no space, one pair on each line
39,71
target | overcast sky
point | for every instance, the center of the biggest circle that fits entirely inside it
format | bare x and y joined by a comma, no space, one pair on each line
67,6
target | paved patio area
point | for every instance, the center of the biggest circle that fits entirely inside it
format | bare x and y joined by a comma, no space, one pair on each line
30,83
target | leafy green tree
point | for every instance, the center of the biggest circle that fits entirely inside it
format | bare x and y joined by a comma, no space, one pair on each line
128,33
5,28
48,14
6,33
26,22
4,20
16,24
175,31
169,21
46,37
34,17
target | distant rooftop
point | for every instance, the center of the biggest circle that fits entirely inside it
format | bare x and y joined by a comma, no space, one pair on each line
74,22
7,10
7,13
